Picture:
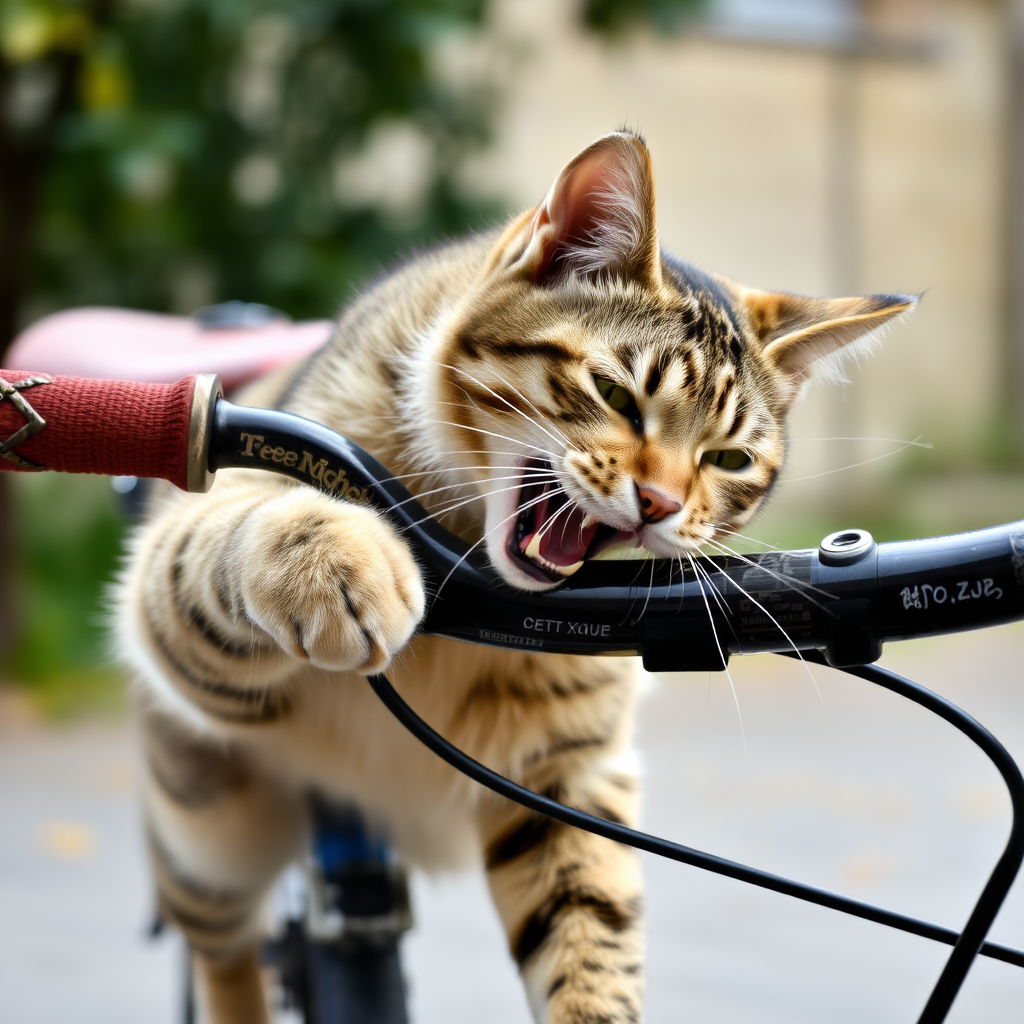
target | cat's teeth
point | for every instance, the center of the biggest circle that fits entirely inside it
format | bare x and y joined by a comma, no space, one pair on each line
588,520
567,570
532,551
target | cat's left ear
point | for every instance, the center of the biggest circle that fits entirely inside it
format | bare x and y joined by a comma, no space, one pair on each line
598,219
804,337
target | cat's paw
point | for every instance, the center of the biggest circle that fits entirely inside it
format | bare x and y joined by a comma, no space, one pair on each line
331,582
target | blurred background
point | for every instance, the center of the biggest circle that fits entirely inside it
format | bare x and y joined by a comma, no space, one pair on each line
167,154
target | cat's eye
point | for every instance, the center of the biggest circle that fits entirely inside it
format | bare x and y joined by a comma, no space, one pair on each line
618,398
727,458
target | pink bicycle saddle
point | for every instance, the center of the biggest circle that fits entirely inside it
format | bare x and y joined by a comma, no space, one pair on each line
236,340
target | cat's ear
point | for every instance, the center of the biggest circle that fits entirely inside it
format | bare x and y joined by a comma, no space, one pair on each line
804,337
598,218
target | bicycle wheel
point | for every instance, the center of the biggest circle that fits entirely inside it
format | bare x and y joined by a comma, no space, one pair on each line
337,958
355,985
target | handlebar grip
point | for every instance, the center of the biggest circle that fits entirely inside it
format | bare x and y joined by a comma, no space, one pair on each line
113,427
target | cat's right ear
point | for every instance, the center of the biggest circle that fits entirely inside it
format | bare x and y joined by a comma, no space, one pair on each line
803,337
598,219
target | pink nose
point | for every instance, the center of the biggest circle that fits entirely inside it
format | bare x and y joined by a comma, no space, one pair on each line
655,506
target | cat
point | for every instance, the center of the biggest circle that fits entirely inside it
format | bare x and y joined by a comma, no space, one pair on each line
551,388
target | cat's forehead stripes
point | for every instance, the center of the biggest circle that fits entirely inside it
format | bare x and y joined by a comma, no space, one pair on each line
697,381
654,375
686,388
739,419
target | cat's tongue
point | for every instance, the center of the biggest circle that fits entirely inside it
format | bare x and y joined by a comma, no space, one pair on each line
563,543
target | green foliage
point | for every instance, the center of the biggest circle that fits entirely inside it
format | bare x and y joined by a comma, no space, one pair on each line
268,150
610,16
163,154
65,563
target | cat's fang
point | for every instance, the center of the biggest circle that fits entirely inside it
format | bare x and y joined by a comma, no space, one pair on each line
533,548
567,570
589,520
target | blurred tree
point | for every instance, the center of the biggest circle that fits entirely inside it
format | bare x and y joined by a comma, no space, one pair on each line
168,153
611,16
165,154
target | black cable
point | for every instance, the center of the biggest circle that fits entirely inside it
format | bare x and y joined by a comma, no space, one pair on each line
685,854
971,939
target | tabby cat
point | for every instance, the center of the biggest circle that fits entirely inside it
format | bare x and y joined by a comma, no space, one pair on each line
554,387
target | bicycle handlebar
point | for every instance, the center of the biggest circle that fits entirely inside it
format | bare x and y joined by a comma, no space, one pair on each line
847,597
113,427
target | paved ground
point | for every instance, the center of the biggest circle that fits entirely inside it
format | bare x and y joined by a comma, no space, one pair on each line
847,787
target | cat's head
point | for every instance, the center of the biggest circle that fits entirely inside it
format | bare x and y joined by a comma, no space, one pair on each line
603,393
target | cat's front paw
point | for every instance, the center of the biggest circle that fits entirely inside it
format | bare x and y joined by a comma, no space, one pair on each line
331,582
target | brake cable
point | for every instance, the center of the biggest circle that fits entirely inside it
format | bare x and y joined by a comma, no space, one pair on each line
966,944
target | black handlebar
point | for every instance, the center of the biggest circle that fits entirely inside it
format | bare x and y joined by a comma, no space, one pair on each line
846,598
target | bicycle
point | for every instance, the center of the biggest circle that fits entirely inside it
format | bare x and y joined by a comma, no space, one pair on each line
839,603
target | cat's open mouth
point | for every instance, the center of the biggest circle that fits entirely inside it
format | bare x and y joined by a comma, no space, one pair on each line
552,536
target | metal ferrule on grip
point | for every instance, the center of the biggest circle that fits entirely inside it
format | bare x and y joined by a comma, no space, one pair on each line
33,421
208,390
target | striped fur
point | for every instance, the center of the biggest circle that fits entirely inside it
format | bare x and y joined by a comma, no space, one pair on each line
250,614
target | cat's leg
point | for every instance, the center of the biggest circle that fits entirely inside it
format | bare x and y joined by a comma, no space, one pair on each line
571,903
228,594
219,833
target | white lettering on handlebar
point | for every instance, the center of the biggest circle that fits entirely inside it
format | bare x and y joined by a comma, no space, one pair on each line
538,625
924,595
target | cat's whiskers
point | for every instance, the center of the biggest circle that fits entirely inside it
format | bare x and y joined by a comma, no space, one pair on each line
682,581
854,465
724,528
439,513
440,470
632,582
725,663
469,483
718,596
526,471
650,590
917,442
550,521
462,405
503,437
460,503
569,504
509,384
501,398
792,581
479,451
509,518
796,650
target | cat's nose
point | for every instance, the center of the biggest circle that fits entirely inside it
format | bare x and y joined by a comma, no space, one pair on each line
655,506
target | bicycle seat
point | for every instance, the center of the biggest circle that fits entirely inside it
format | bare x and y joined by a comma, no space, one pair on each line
237,340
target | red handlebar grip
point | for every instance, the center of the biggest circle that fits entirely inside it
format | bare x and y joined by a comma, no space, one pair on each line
115,427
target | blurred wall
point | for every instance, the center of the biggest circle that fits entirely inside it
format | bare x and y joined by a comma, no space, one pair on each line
806,169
